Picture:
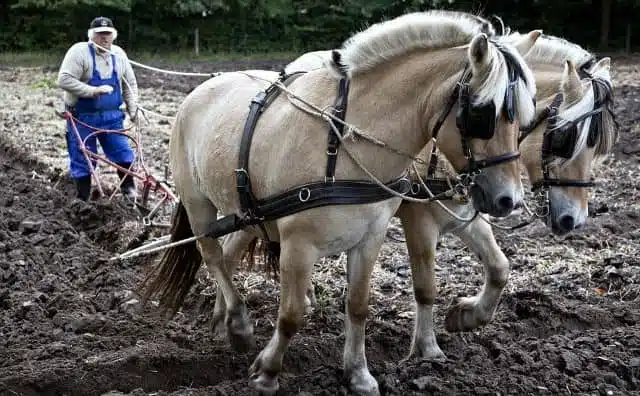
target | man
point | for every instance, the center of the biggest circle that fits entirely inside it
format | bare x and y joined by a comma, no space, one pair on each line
94,91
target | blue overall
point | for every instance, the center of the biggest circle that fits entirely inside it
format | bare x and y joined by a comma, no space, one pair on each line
101,112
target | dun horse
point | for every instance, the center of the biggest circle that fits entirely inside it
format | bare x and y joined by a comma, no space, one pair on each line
574,128
399,75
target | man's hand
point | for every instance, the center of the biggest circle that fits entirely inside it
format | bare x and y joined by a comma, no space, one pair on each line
134,115
103,89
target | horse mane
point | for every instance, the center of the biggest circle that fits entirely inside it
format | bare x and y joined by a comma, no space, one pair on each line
436,29
386,40
556,51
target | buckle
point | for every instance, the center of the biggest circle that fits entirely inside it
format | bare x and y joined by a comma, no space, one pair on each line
242,179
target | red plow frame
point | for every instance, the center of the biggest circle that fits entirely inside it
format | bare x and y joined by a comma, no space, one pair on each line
149,182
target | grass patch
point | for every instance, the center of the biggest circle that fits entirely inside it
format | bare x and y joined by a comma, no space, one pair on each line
45,83
31,59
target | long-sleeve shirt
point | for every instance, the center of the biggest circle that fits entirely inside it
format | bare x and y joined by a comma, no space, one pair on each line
77,68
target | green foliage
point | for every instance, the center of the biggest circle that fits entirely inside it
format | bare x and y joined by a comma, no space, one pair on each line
249,26
48,5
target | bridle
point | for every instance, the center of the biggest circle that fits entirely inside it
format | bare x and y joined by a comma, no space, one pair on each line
560,142
477,122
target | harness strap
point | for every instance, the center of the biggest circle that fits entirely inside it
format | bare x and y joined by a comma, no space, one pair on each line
340,110
433,161
308,196
243,183
340,192
548,182
476,165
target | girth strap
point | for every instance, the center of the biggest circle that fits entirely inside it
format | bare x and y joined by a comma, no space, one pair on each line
308,196
340,192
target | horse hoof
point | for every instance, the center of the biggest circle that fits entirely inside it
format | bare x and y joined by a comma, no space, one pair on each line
433,354
364,384
464,316
265,384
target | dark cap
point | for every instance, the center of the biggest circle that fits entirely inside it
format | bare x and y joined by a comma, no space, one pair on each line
102,24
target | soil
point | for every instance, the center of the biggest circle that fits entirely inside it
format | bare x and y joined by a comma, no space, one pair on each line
72,323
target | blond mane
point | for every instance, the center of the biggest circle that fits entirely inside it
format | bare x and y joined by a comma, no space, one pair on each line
390,39
386,40
554,50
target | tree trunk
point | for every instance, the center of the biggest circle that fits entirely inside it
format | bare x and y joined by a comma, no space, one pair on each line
605,24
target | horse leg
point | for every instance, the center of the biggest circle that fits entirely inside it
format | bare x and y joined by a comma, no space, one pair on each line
422,232
239,329
297,257
360,262
471,312
232,248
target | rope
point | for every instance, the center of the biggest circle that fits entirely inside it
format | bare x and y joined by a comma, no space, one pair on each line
147,111
176,73
166,117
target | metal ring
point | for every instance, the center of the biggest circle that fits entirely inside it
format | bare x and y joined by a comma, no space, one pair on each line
415,188
304,194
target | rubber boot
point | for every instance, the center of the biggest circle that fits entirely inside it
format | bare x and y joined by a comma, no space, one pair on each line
83,186
128,186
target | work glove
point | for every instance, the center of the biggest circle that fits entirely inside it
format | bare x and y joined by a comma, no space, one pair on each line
103,89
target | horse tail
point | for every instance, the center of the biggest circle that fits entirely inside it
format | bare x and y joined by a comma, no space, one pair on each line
176,271
270,253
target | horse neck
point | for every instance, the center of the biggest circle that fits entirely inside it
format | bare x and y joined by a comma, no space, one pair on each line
396,102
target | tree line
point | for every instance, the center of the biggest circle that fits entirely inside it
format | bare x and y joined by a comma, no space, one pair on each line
247,26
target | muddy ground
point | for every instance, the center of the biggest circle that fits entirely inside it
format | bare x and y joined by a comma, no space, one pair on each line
71,323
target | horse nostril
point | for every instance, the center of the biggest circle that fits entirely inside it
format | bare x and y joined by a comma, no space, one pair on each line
567,222
505,203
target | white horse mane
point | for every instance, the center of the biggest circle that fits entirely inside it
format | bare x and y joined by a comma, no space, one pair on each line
555,50
386,40
389,39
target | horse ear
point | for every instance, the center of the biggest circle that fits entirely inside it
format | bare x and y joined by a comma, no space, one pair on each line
479,54
571,85
527,42
602,68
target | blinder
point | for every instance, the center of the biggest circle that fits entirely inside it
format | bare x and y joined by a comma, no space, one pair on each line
479,122
475,121
560,142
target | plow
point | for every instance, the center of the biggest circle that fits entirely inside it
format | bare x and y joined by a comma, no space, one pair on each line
138,170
